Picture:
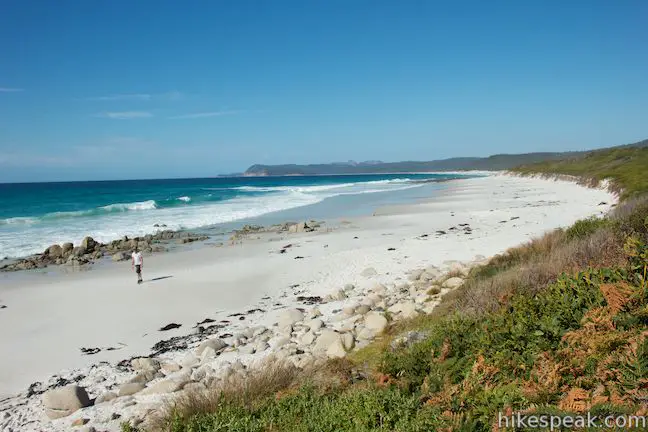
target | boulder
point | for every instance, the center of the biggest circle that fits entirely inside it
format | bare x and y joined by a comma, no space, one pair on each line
409,310
67,248
349,310
216,344
336,349
63,401
375,322
315,324
207,355
280,342
54,251
105,397
290,317
144,376
307,339
325,340
190,360
260,346
300,227
169,368
339,295
145,364
202,372
365,334
348,341
406,309
127,389
165,386
362,309
247,349
453,282
88,244
120,256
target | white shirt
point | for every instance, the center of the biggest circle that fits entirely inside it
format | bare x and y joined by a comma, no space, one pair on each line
137,258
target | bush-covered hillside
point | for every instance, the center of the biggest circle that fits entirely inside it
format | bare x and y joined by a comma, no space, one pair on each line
558,325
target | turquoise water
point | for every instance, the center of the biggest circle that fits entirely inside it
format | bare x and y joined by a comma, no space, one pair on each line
36,215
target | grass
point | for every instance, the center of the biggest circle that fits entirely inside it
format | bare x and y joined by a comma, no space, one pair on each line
558,325
626,167
579,344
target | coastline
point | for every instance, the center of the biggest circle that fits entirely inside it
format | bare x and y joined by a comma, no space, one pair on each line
104,308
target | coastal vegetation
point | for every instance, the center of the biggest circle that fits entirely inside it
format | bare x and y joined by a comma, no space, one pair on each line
556,326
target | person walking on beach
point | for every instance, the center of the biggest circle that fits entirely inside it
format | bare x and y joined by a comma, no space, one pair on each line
138,263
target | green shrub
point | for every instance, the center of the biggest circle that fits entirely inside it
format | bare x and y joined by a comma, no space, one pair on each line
586,227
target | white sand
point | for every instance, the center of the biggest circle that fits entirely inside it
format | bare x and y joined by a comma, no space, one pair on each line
49,318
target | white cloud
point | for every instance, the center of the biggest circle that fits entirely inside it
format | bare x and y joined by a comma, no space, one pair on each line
172,96
10,90
205,114
121,97
125,115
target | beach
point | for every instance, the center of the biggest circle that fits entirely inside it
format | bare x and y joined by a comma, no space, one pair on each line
50,318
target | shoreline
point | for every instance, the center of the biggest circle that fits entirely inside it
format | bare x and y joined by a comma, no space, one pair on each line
155,221
488,214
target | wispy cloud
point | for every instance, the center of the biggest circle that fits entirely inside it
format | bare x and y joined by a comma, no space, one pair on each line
206,114
122,97
171,96
125,115
10,90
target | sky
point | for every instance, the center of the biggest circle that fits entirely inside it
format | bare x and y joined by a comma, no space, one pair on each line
119,89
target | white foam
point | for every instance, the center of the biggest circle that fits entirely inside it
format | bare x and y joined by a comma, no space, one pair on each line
138,218
144,205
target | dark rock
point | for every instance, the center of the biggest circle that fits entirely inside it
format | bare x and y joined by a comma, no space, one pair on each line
391,249
170,327
67,248
89,351
88,244
310,300
206,321
54,251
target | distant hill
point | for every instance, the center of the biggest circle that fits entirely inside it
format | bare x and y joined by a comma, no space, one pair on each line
492,163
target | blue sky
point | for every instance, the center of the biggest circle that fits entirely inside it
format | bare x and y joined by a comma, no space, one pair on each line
140,89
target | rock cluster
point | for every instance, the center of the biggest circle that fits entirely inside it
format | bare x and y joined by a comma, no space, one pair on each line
300,336
288,227
89,250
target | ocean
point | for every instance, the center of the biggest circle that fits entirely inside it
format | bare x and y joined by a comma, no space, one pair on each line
34,216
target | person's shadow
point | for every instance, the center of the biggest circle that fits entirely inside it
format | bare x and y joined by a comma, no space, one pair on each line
158,278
